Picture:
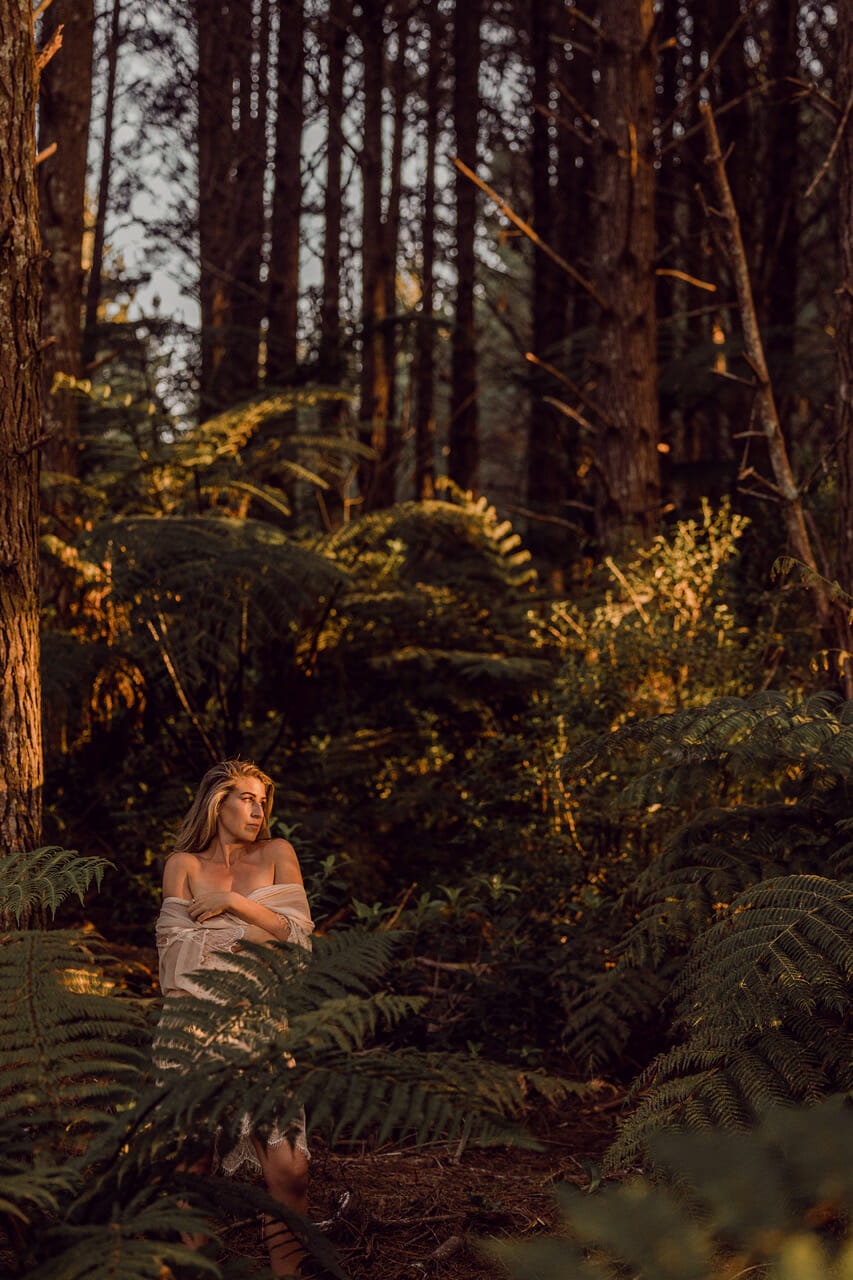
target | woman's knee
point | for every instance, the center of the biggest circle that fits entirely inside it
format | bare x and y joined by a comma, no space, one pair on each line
286,1170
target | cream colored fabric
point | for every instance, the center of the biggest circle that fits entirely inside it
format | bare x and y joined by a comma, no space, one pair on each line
187,947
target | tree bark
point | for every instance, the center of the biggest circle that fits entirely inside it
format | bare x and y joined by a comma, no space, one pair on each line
249,299
844,330
768,419
425,329
223,86
391,237
377,484
287,196
96,269
330,356
21,766
547,449
626,458
463,433
65,107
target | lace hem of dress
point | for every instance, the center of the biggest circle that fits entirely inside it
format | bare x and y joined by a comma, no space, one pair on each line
243,1152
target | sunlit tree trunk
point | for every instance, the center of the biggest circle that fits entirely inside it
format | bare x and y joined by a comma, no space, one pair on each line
20,436
463,434
287,195
625,449
65,106
425,331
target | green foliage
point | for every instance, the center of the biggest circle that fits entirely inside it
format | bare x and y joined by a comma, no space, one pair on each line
45,878
731,792
764,1012
90,1180
769,1202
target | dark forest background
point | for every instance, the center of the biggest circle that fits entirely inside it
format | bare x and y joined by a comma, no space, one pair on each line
447,405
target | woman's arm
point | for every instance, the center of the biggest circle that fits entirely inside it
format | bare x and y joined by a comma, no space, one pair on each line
271,923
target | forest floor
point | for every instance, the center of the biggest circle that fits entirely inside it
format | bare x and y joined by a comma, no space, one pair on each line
398,1212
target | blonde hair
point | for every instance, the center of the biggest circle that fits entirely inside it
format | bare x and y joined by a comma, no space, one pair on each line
199,826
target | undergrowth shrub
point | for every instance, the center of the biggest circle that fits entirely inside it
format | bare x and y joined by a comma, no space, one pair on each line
95,1176
773,1202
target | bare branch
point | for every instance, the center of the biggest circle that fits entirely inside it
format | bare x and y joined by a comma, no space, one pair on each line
526,228
836,142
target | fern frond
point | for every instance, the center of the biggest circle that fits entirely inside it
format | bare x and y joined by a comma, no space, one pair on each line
70,1052
45,877
765,1012
285,1029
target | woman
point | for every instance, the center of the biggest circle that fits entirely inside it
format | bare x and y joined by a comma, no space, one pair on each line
227,882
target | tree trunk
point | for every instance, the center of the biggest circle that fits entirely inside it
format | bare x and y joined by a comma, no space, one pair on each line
222,33
844,329
20,425
287,196
330,356
377,481
93,286
463,434
249,297
391,237
547,449
425,330
65,106
626,457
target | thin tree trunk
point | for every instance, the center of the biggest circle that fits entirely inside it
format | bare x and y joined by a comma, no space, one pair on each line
425,329
287,196
463,433
337,32
391,237
96,270
844,330
625,449
547,457
768,419
249,296
21,769
65,108
377,482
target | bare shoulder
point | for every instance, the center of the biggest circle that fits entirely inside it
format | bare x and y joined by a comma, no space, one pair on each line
282,855
176,874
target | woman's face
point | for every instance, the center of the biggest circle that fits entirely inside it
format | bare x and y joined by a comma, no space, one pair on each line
241,814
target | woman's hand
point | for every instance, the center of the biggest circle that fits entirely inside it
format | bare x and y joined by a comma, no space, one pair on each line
206,905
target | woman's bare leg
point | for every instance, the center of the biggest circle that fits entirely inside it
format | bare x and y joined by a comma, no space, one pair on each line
285,1170
203,1166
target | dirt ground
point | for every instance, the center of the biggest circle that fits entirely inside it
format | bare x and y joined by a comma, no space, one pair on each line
397,1213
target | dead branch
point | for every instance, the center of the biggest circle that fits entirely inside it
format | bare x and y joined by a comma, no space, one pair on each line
570,385
526,228
765,404
682,275
46,154
836,142
52,47
568,412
